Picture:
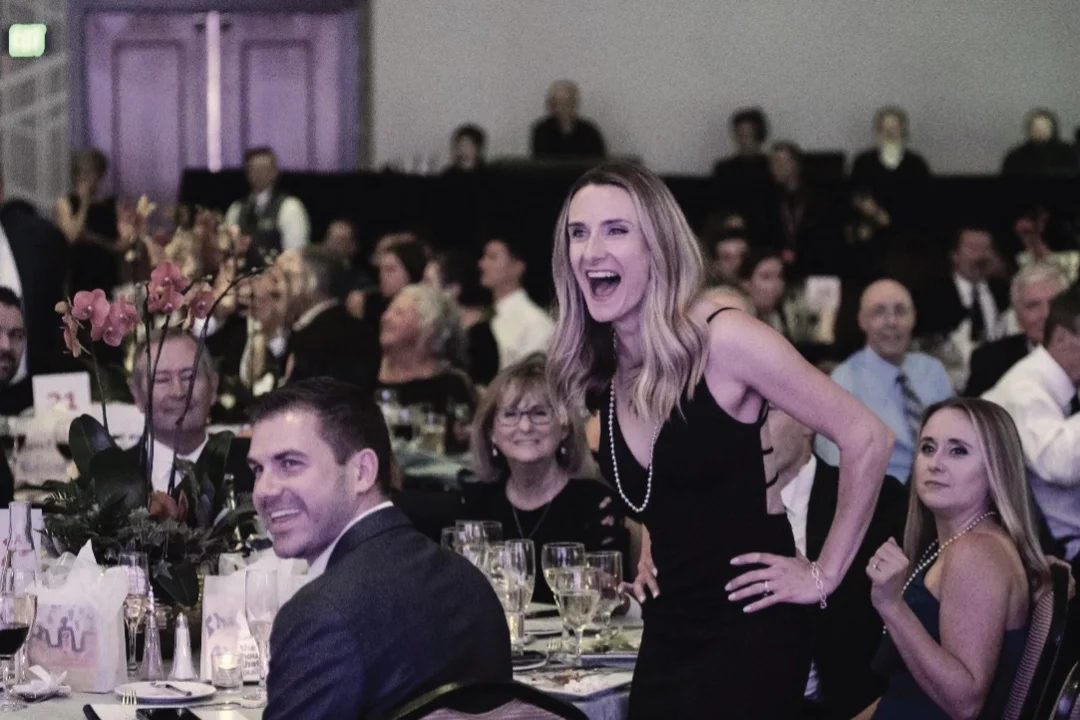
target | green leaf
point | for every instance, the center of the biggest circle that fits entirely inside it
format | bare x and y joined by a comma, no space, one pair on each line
87,437
116,475
180,581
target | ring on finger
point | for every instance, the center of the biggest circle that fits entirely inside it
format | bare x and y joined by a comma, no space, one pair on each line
767,590
877,565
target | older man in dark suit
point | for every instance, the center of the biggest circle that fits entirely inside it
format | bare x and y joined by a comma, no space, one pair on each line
848,632
1032,290
389,614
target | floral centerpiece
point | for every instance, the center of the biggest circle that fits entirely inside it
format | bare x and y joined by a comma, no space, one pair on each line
112,503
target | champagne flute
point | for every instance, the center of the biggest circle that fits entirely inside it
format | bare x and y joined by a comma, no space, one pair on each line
261,606
17,615
609,565
512,573
135,604
578,593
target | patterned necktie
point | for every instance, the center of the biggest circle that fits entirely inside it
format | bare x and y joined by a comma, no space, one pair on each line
913,406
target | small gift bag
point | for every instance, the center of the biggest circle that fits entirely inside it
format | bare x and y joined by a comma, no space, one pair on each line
224,624
80,625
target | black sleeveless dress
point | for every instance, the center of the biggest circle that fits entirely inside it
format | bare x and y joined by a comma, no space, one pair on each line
701,655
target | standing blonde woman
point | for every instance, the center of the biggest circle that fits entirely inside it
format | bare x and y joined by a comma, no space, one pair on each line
956,598
683,390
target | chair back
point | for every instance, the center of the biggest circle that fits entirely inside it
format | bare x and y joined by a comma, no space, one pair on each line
488,701
1066,707
1045,633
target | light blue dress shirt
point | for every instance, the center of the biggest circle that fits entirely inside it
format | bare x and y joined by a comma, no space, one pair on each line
873,382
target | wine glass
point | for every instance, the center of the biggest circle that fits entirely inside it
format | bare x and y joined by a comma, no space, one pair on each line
17,614
21,581
135,604
511,569
261,606
609,564
577,592
473,537
448,538
560,557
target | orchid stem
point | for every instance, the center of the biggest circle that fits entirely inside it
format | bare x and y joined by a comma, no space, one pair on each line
101,391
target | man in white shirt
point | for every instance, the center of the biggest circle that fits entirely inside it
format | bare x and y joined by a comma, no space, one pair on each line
520,326
848,632
272,220
1039,392
389,615
167,396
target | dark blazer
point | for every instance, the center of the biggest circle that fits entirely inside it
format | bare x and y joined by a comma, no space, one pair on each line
338,345
7,482
40,252
939,309
848,631
393,617
235,463
992,360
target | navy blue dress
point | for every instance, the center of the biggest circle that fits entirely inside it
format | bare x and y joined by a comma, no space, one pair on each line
904,699
701,655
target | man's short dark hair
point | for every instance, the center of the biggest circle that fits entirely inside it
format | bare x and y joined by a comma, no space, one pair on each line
349,419
414,256
754,257
513,245
257,152
325,272
971,226
1064,313
474,133
754,116
9,298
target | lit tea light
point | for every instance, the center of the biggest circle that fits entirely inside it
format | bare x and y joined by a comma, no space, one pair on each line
228,661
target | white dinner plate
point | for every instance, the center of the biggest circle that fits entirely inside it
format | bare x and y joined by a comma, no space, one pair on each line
156,692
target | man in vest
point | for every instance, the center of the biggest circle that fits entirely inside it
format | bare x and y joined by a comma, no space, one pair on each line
270,219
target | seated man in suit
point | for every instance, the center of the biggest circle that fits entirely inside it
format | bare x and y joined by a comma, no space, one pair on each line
15,392
167,396
848,632
324,339
388,615
1033,287
887,377
33,266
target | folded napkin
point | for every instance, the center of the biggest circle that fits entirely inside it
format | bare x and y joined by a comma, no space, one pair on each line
44,684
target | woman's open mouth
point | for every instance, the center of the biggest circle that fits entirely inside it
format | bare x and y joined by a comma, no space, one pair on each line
602,283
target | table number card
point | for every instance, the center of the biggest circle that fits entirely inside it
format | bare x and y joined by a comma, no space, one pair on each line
67,392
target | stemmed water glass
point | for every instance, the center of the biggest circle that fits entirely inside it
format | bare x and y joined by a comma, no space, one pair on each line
577,593
609,565
138,573
473,537
261,606
560,557
17,614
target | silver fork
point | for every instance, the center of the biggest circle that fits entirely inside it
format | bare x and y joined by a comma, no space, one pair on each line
128,698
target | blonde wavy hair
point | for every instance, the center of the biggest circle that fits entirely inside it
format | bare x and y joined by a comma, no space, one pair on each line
582,356
1010,493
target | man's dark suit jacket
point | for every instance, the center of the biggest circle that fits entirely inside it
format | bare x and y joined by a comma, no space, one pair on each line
337,345
939,309
992,360
848,631
393,617
40,252
235,463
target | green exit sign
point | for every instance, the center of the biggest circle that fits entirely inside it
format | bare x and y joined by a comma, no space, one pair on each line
27,40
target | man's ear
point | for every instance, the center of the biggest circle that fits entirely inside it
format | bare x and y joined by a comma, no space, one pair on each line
364,471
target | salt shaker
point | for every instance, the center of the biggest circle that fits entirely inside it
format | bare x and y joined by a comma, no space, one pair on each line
152,666
183,668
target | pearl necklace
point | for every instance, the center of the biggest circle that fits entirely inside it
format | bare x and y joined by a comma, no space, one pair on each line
933,551
615,462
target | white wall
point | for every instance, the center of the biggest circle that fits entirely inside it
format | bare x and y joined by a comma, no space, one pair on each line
661,76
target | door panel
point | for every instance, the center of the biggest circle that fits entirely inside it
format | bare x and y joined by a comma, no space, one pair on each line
146,97
278,100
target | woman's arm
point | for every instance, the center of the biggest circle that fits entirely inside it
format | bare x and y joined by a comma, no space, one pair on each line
975,577
71,223
748,360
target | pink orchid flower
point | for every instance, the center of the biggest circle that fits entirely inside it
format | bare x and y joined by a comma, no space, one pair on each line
200,303
120,321
90,305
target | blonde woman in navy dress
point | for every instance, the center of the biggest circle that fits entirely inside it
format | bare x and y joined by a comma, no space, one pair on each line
682,389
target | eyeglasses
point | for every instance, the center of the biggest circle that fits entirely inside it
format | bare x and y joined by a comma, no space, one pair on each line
538,416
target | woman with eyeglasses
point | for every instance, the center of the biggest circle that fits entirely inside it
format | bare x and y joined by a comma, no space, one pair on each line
537,477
